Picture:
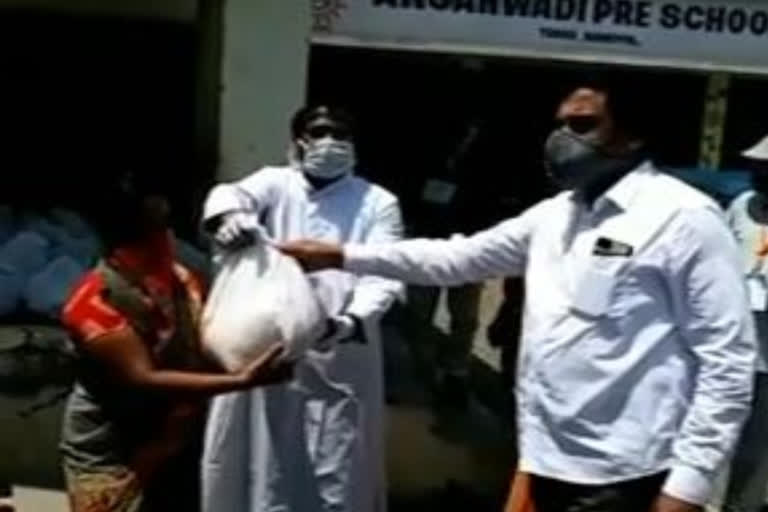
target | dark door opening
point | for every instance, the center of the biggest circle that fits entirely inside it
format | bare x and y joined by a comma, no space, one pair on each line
86,97
414,108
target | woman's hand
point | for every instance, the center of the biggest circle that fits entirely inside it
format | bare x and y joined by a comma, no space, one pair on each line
669,504
130,362
268,369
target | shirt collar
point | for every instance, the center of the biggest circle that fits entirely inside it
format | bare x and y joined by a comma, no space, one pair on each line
312,191
623,193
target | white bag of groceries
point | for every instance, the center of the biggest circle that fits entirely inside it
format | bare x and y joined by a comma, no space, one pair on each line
260,297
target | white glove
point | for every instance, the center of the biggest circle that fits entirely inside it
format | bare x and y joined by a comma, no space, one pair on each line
238,230
342,329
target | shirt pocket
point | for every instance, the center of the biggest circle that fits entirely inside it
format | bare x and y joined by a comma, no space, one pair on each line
597,285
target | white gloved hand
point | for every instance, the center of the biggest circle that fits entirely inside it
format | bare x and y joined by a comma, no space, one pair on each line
342,329
238,230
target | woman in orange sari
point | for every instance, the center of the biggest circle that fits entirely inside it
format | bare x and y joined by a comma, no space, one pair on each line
132,428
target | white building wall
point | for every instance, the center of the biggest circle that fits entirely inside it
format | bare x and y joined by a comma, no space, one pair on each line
264,68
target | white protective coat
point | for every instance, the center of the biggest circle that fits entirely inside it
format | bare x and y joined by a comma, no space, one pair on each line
316,444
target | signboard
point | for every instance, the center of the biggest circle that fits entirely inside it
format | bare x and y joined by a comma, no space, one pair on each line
700,34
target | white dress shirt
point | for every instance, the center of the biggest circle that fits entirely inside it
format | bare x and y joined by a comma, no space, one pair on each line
638,348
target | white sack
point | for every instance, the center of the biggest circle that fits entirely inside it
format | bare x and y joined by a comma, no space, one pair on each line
260,297
26,253
74,240
11,286
35,223
83,250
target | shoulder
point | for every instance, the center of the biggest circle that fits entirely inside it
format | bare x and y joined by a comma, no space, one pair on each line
271,172
86,315
702,229
671,192
741,201
268,174
375,194
556,205
240,194
682,209
540,214
265,178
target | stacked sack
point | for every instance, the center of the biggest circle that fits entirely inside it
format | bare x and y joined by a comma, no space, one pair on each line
41,259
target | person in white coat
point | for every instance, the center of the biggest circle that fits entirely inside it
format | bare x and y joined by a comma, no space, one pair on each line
317,443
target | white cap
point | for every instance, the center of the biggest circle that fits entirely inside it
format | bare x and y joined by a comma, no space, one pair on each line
759,151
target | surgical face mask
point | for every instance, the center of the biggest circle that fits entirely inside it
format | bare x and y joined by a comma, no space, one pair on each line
576,160
328,158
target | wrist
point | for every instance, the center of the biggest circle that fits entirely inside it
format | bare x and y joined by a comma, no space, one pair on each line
238,381
357,258
689,485
331,328
358,328
345,327
342,328
213,223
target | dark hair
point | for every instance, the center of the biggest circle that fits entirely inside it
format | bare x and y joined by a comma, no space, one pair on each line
120,214
309,113
624,99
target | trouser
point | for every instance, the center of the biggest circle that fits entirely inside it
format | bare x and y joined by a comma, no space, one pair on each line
749,466
628,496
453,356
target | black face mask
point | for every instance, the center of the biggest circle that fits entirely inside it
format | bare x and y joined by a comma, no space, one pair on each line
576,161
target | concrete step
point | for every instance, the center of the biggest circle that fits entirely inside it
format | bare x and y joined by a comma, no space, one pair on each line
30,499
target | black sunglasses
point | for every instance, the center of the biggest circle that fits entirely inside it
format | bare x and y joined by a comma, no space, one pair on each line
582,124
323,131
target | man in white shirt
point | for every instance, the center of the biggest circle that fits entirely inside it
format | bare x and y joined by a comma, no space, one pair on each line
638,348
316,444
748,218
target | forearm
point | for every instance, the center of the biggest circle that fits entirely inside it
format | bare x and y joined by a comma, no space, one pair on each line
719,408
716,324
189,383
498,252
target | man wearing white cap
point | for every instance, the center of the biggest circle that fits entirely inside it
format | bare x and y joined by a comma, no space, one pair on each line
748,217
758,152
